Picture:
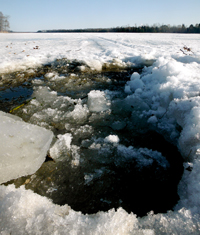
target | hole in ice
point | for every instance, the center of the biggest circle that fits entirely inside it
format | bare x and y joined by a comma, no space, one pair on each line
138,179
102,161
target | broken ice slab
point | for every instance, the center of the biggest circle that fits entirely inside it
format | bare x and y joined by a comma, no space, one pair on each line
23,147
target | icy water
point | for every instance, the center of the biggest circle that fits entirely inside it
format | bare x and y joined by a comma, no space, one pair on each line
115,159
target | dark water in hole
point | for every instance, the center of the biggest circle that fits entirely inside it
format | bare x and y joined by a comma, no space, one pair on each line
13,96
102,182
136,190
113,185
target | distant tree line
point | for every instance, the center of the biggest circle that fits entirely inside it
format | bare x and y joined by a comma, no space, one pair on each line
4,23
156,28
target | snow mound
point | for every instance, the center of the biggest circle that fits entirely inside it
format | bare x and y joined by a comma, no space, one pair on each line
23,147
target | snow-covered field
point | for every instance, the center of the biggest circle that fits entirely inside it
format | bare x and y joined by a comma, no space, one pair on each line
165,97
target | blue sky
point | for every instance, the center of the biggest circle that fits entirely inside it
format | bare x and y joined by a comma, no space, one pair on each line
33,15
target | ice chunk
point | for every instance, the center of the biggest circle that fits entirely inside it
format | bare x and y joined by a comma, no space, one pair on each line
79,114
83,132
134,84
44,95
63,149
127,89
95,64
134,76
112,139
82,68
23,147
62,145
97,101
16,118
152,120
51,75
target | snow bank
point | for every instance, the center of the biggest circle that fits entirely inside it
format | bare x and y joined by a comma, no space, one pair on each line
35,214
171,90
23,147
30,213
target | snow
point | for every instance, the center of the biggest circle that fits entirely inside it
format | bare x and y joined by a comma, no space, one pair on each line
94,49
134,84
23,147
164,97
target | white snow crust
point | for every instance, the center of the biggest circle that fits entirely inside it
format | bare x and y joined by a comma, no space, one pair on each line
93,49
165,97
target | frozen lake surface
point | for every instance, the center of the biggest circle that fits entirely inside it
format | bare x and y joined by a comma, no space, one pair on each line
124,112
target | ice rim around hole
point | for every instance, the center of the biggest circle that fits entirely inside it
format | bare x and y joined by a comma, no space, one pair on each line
166,95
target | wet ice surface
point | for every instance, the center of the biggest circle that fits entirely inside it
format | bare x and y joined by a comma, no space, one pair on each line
141,109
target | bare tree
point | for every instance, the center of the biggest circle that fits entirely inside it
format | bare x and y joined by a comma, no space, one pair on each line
1,21
4,23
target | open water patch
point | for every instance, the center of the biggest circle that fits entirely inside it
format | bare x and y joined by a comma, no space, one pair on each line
13,96
105,154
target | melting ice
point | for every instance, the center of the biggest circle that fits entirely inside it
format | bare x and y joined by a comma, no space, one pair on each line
102,126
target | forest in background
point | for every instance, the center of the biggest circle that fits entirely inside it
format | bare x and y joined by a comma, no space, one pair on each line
156,28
